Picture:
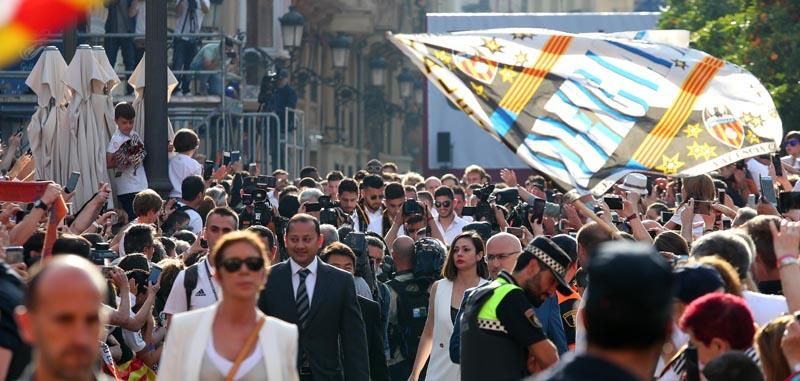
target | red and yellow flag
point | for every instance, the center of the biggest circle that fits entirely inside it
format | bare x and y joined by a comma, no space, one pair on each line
33,19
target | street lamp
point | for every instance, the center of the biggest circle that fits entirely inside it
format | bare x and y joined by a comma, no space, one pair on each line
406,82
292,24
340,50
377,67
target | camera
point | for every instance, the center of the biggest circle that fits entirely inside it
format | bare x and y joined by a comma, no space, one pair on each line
357,241
508,196
483,210
411,207
102,252
257,210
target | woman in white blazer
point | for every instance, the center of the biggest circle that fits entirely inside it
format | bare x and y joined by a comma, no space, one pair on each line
232,340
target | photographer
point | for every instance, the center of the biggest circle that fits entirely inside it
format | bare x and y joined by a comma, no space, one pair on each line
413,218
190,20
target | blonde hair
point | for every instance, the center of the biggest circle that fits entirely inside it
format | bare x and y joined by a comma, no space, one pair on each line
768,344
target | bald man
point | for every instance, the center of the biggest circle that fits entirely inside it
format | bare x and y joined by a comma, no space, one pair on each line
431,183
62,321
502,250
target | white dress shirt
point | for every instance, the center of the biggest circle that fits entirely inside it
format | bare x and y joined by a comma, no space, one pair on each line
375,221
455,228
311,278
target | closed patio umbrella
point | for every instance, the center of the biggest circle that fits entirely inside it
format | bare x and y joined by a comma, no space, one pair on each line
46,81
137,81
86,78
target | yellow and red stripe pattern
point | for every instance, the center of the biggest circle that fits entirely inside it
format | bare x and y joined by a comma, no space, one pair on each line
33,19
478,68
676,115
531,77
730,133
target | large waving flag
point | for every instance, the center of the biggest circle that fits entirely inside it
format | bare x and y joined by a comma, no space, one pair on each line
22,22
586,109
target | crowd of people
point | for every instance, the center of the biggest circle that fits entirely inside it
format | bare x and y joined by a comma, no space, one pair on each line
391,276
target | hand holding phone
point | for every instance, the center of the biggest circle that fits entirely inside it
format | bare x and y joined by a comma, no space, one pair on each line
702,207
516,232
73,182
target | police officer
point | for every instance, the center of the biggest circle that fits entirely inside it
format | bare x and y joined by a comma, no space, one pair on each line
501,337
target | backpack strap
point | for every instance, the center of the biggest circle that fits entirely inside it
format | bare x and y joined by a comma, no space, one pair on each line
190,282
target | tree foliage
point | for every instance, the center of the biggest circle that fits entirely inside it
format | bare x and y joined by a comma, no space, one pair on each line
762,36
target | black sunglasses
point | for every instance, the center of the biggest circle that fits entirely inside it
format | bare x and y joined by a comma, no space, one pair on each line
445,204
234,264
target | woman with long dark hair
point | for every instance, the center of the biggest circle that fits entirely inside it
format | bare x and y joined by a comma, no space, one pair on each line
464,268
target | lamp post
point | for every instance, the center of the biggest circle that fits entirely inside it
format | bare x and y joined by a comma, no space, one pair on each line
340,50
377,69
292,24
406,82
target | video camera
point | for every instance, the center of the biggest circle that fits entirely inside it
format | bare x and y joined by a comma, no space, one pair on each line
357,241
102,252
525,212
328,213
269,82
257,208
483,210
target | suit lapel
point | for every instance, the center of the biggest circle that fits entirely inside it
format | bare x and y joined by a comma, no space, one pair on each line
286,291
321,288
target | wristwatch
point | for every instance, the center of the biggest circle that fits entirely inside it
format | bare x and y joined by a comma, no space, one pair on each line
41,205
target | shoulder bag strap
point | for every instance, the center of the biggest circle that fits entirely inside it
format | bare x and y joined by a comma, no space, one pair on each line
248,345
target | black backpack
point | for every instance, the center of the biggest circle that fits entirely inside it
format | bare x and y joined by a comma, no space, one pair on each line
412,311
190,282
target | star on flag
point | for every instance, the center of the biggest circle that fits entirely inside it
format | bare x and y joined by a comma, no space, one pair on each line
705,151
670,165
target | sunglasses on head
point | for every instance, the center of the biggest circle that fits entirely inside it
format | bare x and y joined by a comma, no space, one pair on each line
438,204
792,142
234,264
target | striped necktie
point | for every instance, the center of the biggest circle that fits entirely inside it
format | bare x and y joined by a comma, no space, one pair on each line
302,298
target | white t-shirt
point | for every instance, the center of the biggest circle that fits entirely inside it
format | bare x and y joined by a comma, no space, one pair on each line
757,171
453,230
180,167
195,221
765,307
698,223
206,293
375,221
186,26
792,162
130,181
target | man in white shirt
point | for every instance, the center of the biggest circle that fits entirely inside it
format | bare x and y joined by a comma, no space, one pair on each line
758,168
206,291
348,203
182,165
448,222
281,181
130,180
192,193
372,202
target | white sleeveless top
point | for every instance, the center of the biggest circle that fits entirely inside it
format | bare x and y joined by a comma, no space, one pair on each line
440,368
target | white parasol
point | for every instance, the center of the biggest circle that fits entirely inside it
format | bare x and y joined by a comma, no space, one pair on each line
103,104
46,80
86,78
137,81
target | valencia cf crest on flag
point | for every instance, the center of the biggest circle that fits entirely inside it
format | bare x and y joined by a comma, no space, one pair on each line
723,126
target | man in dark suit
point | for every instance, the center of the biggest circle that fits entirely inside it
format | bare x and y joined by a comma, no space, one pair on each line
342,257
321,300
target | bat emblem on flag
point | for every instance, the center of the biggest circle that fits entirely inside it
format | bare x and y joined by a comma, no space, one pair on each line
723,126
477,68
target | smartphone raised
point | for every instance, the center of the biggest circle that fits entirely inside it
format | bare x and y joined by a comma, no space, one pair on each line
614,203
236,156
517,232
702,207
537,210
468,211
768,189
776,162
155,273
208,169
666,216
72,183
226,157
313,207
14,255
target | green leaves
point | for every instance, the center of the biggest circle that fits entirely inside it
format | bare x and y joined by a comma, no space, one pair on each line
759,35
